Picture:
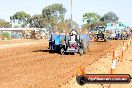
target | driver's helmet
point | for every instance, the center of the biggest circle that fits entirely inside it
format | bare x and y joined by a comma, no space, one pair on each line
73,32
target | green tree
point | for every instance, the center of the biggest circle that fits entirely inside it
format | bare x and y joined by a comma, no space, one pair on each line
86,26
37,21
4,24
65,25
93,20
91,17
109,17
20,18
53,14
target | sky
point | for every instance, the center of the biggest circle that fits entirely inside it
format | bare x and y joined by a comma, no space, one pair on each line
122,8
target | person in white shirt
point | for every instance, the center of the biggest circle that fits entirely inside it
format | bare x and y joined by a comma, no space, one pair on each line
73,35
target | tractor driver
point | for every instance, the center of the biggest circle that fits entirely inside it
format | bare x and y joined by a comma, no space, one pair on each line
73,35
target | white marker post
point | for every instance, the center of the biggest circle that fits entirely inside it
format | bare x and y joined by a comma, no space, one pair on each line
113,63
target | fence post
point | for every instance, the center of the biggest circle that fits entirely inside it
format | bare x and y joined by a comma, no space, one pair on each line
122,52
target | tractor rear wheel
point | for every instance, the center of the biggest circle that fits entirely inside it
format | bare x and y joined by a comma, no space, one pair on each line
62,51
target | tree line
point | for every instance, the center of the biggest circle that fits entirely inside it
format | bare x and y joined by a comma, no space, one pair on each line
53,17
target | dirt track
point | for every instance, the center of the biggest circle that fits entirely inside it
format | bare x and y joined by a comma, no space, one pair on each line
34,67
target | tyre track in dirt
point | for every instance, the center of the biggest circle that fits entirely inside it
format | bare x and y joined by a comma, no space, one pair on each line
27,69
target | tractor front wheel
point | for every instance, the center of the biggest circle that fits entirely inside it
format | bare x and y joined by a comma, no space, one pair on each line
80,51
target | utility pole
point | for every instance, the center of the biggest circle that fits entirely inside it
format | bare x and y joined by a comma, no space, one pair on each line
71,10
71,15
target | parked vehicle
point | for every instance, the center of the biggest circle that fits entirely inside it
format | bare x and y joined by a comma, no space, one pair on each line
122,34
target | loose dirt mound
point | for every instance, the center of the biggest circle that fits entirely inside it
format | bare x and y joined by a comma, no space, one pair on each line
34,67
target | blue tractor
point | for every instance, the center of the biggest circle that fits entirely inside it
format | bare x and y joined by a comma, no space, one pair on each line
72,43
